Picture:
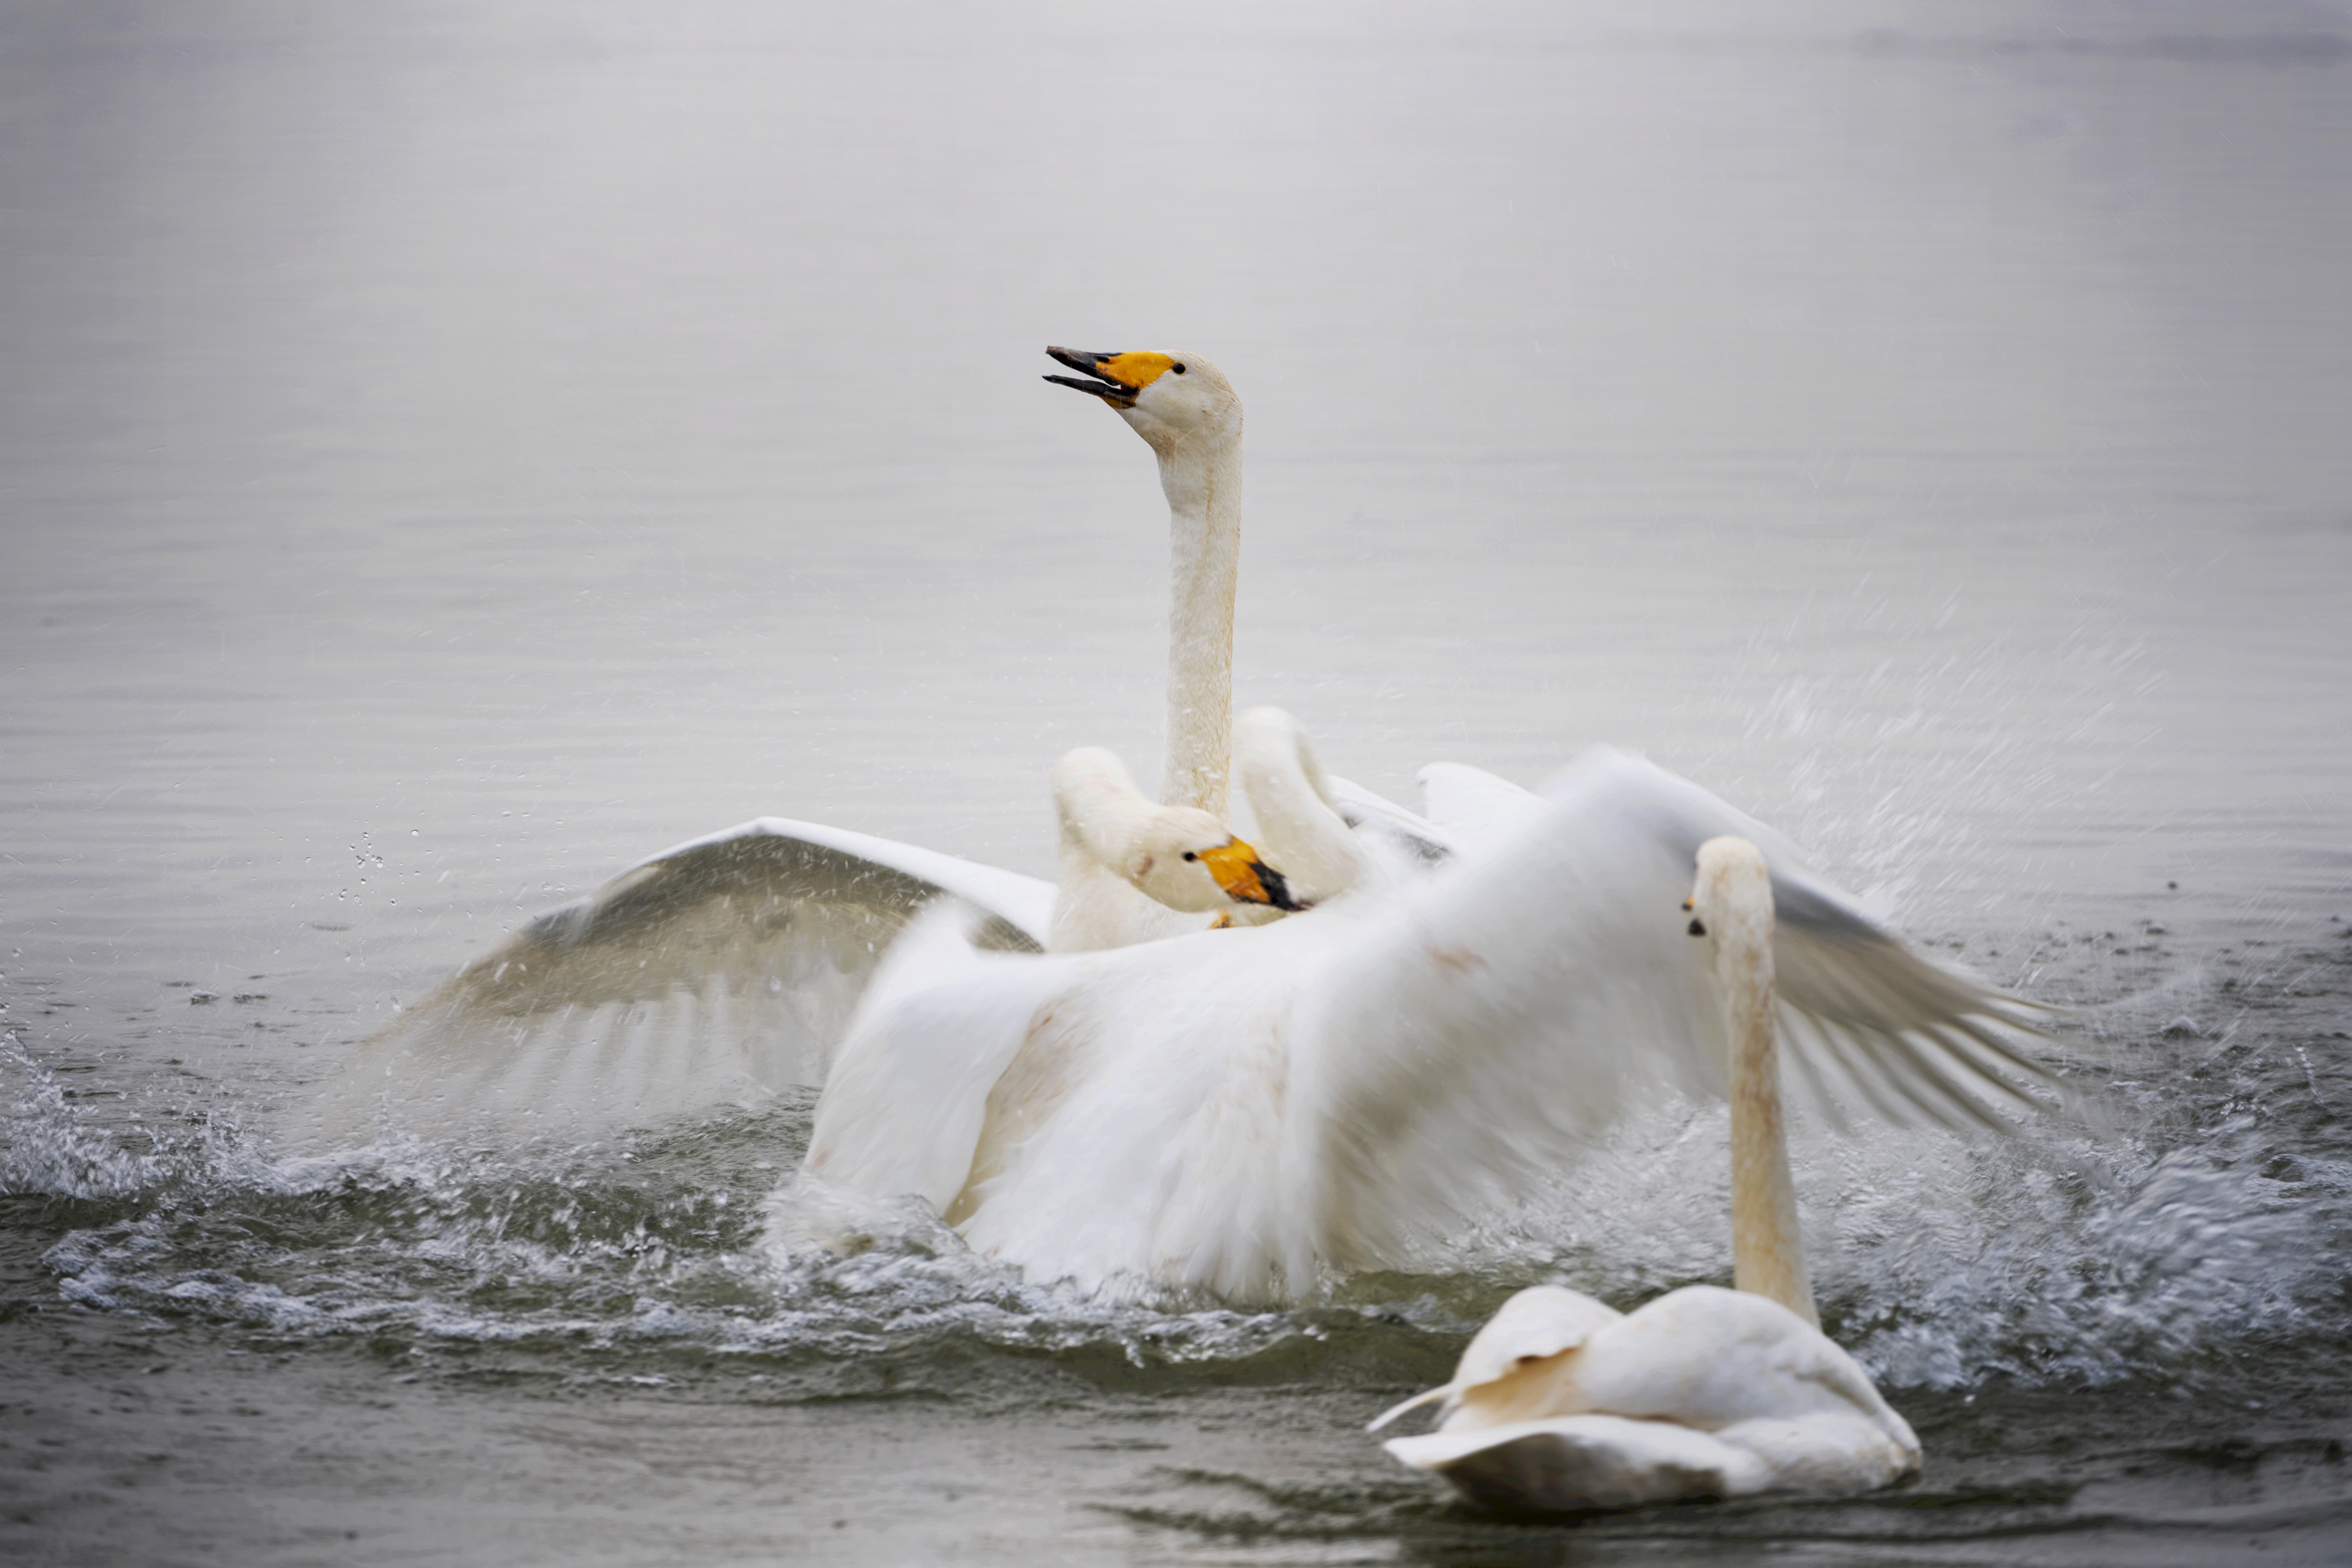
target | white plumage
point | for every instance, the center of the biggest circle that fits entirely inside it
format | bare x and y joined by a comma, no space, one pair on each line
1242,1111
726,967
1560,1403
1563,1403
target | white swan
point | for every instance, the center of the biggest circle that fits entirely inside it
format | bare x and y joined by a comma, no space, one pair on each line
1242,1110
728,964
1562,1402
1184,860
1188,413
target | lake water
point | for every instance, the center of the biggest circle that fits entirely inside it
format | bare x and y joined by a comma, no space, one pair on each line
450,452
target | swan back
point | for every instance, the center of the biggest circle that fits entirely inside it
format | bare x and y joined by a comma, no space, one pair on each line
1511,1370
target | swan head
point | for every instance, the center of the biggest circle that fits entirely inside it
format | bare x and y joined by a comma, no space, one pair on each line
1171,401
1183,858
1186,859
1731,901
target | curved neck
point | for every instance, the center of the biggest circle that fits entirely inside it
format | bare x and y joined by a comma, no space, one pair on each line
1767,1252
1289,797
1097,805
1098,809
1203,479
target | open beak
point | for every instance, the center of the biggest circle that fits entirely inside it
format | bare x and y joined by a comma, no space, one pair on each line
1104,376
1248,878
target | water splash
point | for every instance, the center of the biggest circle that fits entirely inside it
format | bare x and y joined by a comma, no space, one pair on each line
2184,1249
51,1148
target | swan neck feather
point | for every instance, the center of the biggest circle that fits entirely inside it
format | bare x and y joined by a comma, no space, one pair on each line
1202,480
1767,1254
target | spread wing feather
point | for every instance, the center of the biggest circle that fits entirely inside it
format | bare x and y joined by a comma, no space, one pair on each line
725,968
1514,1004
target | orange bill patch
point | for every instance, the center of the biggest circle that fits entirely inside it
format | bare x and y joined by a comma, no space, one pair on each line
1136,369
1235,867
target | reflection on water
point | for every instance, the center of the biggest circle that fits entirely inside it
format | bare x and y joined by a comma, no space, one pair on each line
451,453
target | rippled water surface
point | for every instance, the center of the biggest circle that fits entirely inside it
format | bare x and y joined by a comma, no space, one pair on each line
452,452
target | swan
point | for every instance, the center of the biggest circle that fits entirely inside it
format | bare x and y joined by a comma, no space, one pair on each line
1182,858
1562,1402
1243,1111
728,964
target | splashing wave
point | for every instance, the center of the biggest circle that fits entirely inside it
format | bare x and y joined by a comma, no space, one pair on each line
1942,1261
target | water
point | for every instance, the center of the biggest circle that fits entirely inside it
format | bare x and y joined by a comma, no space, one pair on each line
450,452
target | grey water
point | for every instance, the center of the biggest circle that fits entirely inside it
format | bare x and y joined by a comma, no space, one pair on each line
448,453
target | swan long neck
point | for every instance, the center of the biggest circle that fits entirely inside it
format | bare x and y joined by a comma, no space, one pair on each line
1203,479
1768,1253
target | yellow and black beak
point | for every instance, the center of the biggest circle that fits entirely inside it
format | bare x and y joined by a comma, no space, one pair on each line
1246,878
1114,378
1697,926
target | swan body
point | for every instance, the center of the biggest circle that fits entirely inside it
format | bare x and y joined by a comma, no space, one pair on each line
1701,1393
1561,1403
1242,1111
1469,805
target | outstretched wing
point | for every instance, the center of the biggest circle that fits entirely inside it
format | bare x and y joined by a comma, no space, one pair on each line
724,969
1510,1006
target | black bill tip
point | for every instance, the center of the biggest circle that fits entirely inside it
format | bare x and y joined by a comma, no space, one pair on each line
1113,393
1278,890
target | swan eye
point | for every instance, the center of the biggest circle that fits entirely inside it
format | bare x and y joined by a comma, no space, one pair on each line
1191,856
1696,929
1178,367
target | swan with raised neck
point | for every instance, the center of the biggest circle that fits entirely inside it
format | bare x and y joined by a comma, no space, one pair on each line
1562,1402
1188,413
1732,908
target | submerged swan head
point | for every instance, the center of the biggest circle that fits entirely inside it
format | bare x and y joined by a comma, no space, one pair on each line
1173,400
1183,858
